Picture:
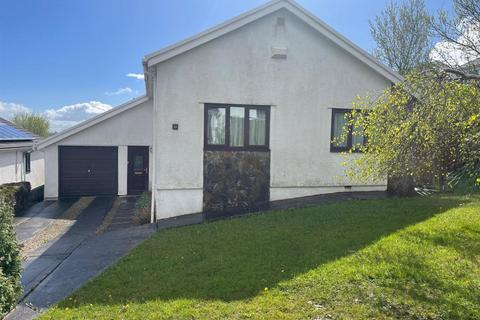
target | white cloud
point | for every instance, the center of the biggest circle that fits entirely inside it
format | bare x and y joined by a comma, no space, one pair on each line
456,54
120,92
138,76
67,116
60,118
9,109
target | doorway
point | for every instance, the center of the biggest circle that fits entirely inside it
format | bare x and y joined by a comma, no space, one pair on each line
137,169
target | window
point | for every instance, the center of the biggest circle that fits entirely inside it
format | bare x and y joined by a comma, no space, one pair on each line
338,141
236,127
216,126
257,124
26,157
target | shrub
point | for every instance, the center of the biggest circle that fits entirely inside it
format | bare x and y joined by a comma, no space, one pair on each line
424,129
142,208
10,264
16,194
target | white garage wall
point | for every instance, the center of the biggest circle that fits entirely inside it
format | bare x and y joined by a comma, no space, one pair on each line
132,127
237,68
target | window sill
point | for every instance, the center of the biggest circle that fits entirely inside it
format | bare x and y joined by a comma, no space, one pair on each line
344,150
225,148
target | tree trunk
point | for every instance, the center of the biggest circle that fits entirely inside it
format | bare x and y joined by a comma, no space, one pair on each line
403,186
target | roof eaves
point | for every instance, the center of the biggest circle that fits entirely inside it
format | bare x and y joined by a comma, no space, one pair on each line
91,122
344,42
15,145
252,15
211,33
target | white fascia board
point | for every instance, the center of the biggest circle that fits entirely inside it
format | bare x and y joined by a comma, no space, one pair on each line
212,33
24,148
255,14
343,42
91,122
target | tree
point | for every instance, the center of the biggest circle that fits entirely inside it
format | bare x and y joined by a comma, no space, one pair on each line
34,123
402,33
425,128
460,38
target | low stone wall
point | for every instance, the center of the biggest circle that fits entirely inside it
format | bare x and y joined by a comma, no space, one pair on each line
235,181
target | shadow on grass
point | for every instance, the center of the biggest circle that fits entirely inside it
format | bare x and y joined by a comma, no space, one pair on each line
236,259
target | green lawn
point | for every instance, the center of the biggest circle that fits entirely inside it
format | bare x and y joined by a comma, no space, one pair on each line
413,258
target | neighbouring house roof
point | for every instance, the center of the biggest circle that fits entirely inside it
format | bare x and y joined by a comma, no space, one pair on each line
14,137
255,14
91,122
472,66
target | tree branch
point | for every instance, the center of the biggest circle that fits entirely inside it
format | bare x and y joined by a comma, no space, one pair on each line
463,75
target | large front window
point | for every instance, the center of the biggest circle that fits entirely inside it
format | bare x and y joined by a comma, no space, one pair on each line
236,127
342,138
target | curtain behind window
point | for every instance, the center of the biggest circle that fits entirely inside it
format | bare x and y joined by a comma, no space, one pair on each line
216,126
358,138
237,123
339,121
257,127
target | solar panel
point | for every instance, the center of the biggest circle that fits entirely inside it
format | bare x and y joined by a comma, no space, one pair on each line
11,133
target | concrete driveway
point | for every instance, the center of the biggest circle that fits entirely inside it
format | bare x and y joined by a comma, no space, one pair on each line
62,249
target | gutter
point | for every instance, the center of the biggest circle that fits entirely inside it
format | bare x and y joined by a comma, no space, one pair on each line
153,217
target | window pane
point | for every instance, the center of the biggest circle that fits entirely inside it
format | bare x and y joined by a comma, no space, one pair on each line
237,124
138,164
27,162
339,121
357,136
257,127
216,126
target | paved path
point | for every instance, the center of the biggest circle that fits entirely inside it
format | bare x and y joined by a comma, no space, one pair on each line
123,218
56,269
38,217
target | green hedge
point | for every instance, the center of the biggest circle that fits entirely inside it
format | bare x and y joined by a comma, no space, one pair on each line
16,194
10,264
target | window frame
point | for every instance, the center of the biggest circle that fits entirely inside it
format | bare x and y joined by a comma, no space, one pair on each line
246,128
27,162
333,147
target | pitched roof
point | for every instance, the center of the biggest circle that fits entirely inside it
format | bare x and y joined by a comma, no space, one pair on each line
92,121
14,137
255,14
11,132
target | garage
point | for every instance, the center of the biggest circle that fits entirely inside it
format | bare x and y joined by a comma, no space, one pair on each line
87,171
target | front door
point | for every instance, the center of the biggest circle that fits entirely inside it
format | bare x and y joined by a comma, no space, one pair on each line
137,169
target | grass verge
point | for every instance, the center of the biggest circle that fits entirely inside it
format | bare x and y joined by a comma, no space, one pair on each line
416,258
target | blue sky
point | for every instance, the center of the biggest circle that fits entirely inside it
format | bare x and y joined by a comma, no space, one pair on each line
57,53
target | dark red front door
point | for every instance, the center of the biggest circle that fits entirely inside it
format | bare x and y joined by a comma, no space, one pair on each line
137,169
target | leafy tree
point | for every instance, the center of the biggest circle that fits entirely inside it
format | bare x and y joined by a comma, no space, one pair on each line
34,123
403,35
461,31
425,129
459,48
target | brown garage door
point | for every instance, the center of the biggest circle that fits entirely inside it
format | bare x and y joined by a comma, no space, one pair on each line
87,171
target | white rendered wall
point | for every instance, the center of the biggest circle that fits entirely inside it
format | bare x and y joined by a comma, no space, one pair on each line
130,128
36,176
237,68
12,167
9,166
122,170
